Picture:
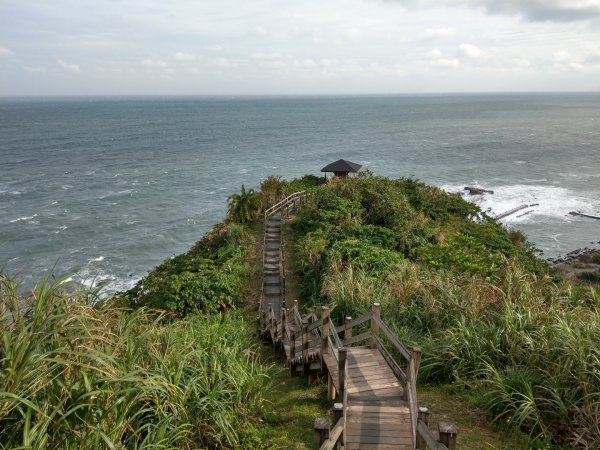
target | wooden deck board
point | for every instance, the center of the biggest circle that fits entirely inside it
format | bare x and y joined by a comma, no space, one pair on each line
376,415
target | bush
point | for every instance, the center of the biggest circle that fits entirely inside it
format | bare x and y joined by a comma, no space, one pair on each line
594,277
207,278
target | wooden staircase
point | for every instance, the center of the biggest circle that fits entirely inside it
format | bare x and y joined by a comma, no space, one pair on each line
375,382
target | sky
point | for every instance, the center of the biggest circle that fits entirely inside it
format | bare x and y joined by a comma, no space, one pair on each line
297,47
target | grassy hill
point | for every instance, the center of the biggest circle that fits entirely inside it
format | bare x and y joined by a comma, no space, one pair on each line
173,362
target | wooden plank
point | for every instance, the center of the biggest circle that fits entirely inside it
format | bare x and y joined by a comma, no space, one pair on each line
358,338
357,364
428,437
378,419
371,386
378,439
378,409
373,423
390,360
334,436
393,338
362,446
352,323
374,432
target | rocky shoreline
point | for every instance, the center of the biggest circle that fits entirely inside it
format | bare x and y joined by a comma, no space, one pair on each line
581,265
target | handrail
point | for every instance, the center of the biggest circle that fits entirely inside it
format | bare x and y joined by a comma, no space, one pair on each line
315,325
323,334
334,435
390,360
285,202
393,339
333,332
354,322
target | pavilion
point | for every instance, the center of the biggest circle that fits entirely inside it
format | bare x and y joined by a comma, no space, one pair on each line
341,168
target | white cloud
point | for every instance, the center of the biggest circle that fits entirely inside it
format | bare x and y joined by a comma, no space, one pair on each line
154,63
438,60
470,51
5,51
34,69
439,33
68,66
184,56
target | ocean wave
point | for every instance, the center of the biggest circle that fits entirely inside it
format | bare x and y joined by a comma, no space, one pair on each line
551,202
23,218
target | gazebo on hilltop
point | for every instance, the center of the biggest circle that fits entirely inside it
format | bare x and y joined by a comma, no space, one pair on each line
341,168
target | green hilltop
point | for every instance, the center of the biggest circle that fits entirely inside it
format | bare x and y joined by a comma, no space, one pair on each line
172,362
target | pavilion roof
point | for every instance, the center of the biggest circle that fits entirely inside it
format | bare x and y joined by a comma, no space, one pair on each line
341,165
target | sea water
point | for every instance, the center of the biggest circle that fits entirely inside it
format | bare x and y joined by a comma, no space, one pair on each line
104,189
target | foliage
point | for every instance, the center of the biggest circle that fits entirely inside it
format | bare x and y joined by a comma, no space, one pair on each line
207,278
474,295
591,276
76,376
243,207
462,253
271,189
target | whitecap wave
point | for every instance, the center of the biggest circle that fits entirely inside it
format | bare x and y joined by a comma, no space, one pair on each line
23,218
546,202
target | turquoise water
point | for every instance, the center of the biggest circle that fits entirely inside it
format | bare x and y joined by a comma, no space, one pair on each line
107,188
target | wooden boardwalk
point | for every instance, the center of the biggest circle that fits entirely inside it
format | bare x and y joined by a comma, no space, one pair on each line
377,417
374,381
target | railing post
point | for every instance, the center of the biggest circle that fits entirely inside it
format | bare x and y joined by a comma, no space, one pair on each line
342,372
413,371
283,322
424,417
293,344
305,340
375,325
338,412
271,317
320,433
348,330
415,355
448,433
330,388
325,334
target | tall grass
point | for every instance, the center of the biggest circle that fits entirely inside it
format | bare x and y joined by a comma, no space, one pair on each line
529,345
76,376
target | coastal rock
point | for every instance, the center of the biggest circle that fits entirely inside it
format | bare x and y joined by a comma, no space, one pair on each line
477,191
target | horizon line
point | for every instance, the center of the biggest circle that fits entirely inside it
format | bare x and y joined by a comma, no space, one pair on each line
385,94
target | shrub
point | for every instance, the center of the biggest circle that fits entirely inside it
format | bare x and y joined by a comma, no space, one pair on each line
207,278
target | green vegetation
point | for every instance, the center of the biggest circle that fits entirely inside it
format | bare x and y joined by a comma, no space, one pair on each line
75,376
243,207
489,314
207,278
173,363
591,276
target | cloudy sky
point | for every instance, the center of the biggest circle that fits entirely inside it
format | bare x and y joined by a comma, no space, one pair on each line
231,47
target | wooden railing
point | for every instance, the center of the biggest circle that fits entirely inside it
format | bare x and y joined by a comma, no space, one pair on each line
320,337
403,361
284,206
291,201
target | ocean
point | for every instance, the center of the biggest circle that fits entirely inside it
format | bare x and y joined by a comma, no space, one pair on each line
104,189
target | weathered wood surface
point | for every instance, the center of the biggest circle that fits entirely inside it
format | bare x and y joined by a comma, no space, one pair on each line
376,414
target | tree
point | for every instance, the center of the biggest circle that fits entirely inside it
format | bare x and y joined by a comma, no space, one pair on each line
243,206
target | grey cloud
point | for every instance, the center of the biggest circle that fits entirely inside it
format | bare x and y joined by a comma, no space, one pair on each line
544,10
534,10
